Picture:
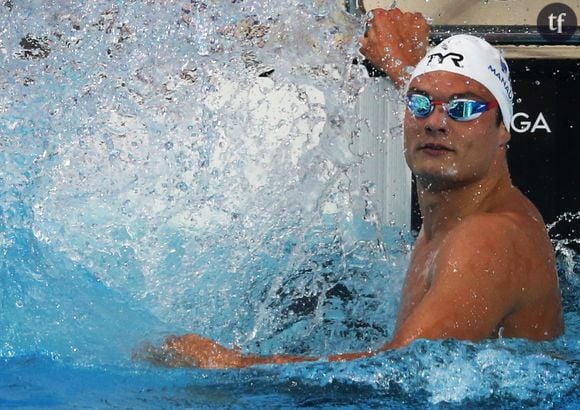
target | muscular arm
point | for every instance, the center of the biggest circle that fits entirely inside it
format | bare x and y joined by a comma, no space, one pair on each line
475,284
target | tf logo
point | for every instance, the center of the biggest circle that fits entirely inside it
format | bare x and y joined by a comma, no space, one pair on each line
557,23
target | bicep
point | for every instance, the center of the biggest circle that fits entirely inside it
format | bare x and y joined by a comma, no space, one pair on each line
457,313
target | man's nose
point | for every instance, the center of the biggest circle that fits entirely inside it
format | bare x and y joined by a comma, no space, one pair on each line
436,122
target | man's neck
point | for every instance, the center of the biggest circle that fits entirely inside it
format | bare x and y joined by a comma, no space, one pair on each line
444,208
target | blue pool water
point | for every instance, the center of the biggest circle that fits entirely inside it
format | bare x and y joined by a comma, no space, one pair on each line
171,167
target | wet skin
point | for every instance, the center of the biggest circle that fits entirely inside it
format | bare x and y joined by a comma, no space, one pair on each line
483,263
482,266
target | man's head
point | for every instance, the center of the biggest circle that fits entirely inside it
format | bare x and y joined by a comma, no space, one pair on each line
454,98
475,58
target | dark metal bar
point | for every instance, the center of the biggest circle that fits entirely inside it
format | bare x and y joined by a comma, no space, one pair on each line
503,35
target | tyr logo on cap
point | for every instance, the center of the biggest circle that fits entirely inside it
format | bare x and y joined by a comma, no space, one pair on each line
455,58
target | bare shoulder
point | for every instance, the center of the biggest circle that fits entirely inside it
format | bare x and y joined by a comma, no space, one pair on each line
510,257
517,231
480,247
511,249
490,271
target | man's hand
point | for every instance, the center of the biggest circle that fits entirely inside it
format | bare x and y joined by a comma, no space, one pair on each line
192,351
196,351
394,41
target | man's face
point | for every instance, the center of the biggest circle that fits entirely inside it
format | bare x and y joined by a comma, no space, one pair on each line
442,151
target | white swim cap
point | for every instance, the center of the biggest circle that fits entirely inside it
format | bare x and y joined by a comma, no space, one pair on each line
475,58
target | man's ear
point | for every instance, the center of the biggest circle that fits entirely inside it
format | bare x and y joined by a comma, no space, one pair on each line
504,135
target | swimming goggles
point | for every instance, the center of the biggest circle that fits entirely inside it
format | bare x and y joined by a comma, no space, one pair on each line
459,109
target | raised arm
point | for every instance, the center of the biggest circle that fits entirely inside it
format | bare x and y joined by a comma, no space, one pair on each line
395,41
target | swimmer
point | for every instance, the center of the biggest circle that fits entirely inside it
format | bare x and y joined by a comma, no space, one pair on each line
483,265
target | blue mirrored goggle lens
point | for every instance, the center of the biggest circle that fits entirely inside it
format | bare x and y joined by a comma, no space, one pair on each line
420,105
464,110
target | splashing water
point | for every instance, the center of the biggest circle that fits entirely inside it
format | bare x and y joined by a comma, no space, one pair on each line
158,150
175,167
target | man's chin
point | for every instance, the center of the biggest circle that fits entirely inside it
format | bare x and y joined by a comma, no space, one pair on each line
440,179
445,172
